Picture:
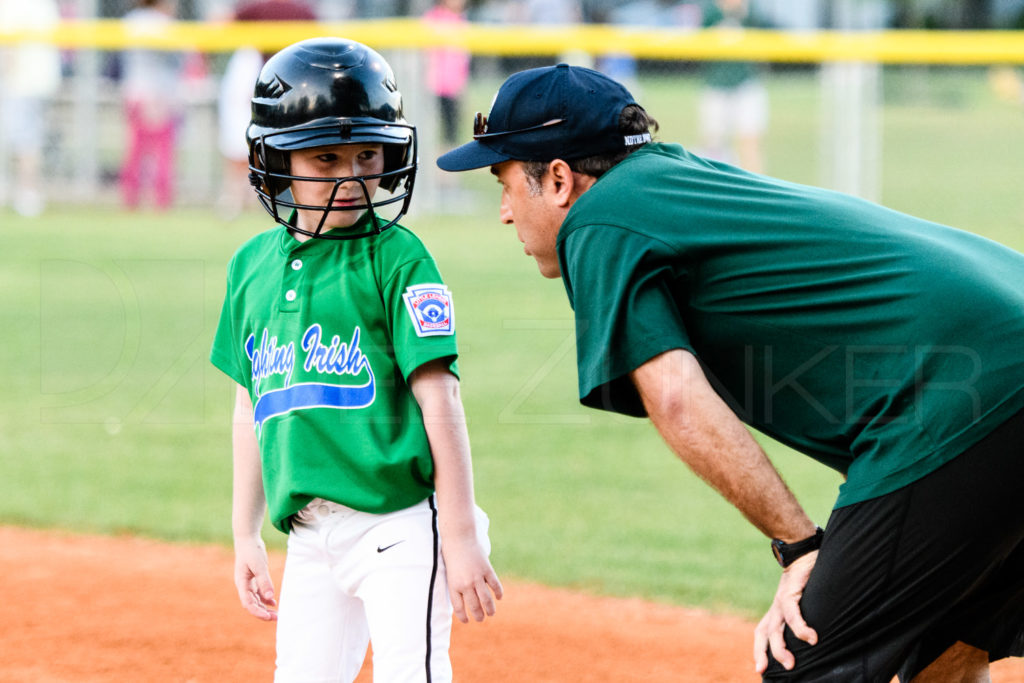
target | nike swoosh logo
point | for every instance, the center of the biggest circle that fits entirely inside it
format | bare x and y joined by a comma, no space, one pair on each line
380,550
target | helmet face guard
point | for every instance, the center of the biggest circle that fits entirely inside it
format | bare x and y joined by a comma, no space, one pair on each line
270,175
329,91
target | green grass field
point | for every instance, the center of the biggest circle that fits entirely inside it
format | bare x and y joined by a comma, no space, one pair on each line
113,421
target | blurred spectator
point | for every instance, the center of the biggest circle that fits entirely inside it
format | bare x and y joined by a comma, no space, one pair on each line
273,10
733,107
659,13
448,69
546,12
153,99
30,77
376,9
557,13
620,65
234,108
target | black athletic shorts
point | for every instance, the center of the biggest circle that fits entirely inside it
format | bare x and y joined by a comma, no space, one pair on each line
901,578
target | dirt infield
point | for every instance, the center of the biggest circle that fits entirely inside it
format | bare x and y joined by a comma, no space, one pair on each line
91,609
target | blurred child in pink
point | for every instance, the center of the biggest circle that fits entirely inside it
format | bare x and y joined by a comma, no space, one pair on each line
448,68
153,102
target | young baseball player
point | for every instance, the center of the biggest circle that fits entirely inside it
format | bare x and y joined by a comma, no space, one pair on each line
348,424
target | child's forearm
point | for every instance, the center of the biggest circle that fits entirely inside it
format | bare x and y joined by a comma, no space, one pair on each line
453,481
248,503
437,392
472,583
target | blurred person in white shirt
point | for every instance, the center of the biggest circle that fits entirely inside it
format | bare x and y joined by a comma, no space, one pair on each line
30,73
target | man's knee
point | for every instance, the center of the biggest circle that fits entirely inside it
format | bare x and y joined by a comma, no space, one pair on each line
961,663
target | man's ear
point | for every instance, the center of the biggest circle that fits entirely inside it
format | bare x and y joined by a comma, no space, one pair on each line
567,186
562,182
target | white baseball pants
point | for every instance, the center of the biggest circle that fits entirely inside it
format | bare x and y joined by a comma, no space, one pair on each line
353,577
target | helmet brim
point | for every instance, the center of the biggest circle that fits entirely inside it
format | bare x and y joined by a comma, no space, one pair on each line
333,132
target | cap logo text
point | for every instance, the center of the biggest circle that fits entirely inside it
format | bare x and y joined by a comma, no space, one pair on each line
637,139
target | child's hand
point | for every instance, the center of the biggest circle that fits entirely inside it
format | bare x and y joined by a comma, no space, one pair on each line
471,579
252,579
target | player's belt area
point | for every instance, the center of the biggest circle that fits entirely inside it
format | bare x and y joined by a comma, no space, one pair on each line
319,509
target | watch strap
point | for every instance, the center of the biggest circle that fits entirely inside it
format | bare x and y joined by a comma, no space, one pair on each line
787,553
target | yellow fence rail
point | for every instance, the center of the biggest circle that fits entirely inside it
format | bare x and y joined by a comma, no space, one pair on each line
890,47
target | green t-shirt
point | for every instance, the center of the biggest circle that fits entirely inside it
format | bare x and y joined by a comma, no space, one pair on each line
324,334
880,344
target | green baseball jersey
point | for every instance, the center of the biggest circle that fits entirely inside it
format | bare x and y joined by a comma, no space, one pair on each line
881,344
324,334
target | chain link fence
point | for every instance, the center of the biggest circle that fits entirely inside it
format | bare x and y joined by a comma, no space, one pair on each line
834,108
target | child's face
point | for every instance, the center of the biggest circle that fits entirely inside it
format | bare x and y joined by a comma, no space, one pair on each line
334,161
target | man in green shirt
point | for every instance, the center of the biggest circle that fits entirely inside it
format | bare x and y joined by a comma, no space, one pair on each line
882,345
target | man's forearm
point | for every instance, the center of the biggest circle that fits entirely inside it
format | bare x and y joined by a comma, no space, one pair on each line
706,435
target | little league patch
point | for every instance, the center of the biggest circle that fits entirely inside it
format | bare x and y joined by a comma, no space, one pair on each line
431,309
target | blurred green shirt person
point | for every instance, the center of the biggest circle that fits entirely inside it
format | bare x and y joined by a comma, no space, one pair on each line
733,106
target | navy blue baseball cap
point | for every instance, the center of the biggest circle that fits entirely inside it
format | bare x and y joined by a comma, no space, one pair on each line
553,112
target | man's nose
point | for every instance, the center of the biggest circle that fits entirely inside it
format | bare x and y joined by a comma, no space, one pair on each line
505,213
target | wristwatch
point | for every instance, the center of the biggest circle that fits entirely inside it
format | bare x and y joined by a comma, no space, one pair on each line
787,553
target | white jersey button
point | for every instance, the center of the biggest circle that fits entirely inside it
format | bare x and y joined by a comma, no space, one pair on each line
296,264
290,295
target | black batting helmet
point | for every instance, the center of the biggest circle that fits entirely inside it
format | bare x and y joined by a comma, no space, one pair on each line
328,91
